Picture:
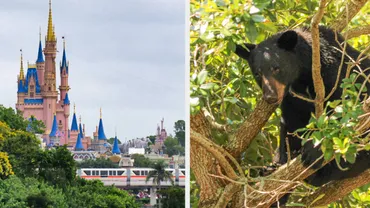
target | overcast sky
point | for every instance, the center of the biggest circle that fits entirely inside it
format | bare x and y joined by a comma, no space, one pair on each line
125,56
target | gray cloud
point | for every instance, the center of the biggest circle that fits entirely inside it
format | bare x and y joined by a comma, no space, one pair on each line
125,56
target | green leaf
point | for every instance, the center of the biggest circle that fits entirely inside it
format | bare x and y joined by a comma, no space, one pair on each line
328,154
208,86
258,18
202,76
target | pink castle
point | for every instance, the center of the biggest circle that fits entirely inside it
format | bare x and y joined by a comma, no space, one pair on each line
37,95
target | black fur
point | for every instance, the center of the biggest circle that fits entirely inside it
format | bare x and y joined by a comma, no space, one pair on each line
291,52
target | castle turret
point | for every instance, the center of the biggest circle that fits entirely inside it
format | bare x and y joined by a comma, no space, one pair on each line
40,63
50,94
102,139
54,134
79,145
74,126
80,130
101,134
115,149
64,88
21,88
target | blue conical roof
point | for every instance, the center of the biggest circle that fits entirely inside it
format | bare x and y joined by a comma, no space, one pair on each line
64,61
54,129
80,133
40,57
79,145
74,126
66,100
101,134
115,149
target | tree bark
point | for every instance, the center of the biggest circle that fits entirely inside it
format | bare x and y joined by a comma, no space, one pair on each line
336,189
250,128
202,164
354,6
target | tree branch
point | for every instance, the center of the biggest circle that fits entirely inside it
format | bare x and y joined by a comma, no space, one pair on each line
211,148
362,30
316,65
354,6
250,128
334,190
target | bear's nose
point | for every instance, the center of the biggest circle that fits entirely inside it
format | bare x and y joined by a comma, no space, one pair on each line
270,99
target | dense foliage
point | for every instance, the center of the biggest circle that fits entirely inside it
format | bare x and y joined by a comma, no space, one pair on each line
46,178
172,147
173,197
222,85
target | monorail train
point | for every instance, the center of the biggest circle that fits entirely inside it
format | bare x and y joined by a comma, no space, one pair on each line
128,176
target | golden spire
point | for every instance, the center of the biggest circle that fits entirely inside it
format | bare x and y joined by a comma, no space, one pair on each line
80,118
51,35
100,113
40,33
74,107
21,73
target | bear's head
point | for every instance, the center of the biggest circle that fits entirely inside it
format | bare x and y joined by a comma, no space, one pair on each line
274,63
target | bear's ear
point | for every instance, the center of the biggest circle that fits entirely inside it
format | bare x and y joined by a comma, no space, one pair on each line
288,40
243,52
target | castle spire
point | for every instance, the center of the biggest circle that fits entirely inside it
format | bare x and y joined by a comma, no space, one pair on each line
74,126
21,73
40,57
51,34
54,128
64,59
79,145
101,134
115,149
81,134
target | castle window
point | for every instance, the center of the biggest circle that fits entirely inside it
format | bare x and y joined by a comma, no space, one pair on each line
49,88
31,94
60,121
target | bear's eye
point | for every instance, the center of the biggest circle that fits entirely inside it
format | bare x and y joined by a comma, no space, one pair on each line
275,70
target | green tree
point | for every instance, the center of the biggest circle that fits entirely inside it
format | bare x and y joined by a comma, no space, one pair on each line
57,166
17,192
35,126
94,194
173,197
97,163
140,161
172,147
22,148
159,174
152,138
12,118
229,121
180,131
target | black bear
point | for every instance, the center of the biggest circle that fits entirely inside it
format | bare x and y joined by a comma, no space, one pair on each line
283,62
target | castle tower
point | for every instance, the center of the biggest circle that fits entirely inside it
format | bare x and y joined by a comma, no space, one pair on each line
40,64
54,135
21,93
115,149
49,93
79,145
102,139
64,88
74,129
80,130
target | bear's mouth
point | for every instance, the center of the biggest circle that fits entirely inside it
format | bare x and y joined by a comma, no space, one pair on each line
273,90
